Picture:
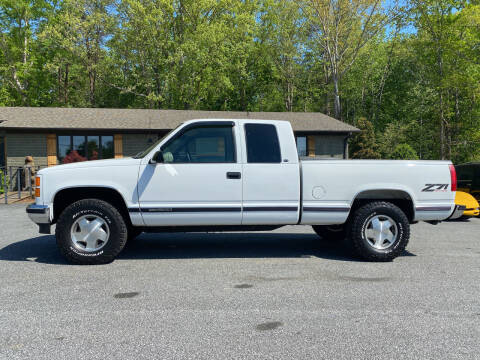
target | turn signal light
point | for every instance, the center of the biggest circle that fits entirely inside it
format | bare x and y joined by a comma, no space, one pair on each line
37,186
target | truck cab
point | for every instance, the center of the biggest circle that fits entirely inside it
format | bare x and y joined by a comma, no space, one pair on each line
221,173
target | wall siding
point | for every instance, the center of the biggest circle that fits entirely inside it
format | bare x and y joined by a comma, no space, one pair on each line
21,145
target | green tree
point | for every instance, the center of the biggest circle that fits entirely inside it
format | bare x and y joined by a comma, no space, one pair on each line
20,58
351,59
341,29
282,32
77,35
364,145
403,152
448,30
187,54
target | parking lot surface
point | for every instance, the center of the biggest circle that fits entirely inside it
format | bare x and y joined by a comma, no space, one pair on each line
273,295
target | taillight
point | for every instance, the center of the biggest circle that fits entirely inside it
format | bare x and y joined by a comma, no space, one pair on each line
453,177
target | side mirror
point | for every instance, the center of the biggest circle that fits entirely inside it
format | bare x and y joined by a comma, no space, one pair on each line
157,158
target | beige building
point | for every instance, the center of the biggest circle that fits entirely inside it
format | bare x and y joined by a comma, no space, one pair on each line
62,135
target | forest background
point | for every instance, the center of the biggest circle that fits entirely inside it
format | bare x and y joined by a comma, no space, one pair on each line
405,72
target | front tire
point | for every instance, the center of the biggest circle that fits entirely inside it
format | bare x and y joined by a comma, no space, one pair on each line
91,232
379,231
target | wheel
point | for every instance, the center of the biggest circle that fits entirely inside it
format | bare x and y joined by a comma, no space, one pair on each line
379,231
90,232
330,232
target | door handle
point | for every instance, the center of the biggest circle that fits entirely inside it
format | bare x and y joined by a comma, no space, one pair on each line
234,175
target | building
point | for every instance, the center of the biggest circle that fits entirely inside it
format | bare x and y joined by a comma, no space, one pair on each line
61,135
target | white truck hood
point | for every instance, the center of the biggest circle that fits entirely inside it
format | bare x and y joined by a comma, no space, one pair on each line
90,165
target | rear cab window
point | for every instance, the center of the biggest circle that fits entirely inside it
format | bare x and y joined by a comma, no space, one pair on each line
262,144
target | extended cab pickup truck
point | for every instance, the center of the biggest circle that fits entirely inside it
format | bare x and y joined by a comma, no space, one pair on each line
228,175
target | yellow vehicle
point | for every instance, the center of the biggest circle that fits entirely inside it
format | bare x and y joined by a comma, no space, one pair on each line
472,208
468,177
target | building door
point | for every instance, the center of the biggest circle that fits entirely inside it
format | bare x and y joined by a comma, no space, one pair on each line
199,181
2,152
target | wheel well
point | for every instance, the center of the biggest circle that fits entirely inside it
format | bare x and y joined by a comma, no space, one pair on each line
399,198
68,196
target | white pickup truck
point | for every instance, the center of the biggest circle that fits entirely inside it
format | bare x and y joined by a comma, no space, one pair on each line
228,175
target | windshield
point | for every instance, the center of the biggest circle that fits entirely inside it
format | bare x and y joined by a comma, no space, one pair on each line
145,152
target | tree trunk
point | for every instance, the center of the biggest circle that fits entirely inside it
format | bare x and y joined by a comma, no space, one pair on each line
25,43
327,95
289,97
91,76
336,94
65,85
59,84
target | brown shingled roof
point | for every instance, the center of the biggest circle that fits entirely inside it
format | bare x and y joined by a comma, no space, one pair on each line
146,119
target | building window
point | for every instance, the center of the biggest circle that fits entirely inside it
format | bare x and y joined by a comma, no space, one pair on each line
76,148
302,146
329,146
93,147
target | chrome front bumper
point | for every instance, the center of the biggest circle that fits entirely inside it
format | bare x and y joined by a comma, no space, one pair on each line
40,215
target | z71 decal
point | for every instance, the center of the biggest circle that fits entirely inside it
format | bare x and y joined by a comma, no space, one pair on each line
435,187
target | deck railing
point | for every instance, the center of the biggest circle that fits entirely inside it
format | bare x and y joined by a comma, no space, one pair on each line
17,182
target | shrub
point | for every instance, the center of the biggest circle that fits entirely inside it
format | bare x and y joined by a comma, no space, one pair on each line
1,182
404,152
364,145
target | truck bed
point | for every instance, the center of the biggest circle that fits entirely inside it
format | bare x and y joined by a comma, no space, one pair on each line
329,187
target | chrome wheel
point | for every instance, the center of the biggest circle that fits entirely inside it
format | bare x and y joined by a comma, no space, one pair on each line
381,232
90,233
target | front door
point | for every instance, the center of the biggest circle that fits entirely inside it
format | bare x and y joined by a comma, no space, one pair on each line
199,182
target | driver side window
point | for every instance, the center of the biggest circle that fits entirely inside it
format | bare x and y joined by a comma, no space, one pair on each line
203,144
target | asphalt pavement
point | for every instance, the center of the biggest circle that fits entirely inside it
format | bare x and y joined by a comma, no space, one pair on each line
284,294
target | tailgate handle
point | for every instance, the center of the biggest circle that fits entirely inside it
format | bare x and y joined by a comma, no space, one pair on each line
234,175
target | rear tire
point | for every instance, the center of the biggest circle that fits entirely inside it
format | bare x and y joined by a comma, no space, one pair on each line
91,232
379,231
330,232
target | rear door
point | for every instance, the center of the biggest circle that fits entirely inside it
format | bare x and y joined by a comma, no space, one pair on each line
271,178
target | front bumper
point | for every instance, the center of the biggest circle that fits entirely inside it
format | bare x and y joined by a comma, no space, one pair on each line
471,212
40,215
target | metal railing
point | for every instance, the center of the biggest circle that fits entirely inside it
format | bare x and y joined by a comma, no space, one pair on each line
17,182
